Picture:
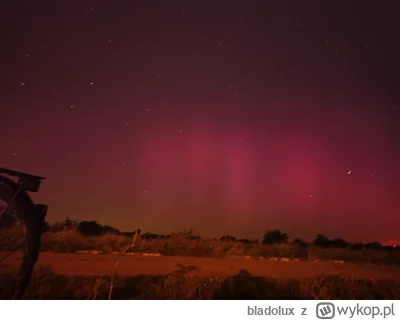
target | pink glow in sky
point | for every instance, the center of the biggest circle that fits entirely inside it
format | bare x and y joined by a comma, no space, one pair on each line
227,119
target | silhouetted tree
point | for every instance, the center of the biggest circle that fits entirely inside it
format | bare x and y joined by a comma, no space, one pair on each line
339,243
67,224
275,237
90,228
321,241
109,229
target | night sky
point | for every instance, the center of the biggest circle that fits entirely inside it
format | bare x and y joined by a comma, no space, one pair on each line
223,116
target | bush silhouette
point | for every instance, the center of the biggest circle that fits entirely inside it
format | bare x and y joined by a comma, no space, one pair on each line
67,224
275,237
92,228
339,243
321,241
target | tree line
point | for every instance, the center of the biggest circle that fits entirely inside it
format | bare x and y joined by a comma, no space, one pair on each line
271,237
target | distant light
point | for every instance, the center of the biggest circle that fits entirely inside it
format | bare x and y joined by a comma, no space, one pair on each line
395,245
349,172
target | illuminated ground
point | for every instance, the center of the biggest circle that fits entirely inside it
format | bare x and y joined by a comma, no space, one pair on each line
97,265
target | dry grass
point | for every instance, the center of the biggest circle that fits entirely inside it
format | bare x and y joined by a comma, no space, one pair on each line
47,285
72,241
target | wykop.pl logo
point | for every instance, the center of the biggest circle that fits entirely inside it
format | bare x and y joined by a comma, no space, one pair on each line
325,310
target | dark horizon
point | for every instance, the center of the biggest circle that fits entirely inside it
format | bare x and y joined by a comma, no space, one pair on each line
52,226
229,118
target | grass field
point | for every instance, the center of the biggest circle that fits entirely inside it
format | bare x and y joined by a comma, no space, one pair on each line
72,241
48,285
350,279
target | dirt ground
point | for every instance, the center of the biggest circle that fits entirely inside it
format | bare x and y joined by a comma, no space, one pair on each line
98,265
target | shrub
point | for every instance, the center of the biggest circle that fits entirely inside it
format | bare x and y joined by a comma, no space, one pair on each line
275,237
